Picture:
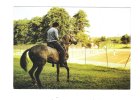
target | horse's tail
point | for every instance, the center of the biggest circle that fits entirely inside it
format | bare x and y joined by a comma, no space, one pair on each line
23,61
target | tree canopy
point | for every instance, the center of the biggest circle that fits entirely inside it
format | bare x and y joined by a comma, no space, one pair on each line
59,15
34,30
125,39
21,28
80,21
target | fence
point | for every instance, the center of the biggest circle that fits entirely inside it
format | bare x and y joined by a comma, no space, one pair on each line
102,57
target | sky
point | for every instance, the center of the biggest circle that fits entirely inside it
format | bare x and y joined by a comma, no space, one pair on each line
104,21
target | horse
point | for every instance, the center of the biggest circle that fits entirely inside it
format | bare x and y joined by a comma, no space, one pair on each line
42,53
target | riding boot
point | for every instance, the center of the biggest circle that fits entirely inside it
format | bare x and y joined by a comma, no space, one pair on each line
63,64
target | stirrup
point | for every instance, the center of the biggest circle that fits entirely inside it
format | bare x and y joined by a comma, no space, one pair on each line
62,65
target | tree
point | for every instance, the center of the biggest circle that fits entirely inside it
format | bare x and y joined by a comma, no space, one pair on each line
80,21
59,15
20,30
103,38
83,38
116,40
35,29
96,41
125,39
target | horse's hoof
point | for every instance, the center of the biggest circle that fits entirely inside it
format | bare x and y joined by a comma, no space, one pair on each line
34,86
40,87
34,82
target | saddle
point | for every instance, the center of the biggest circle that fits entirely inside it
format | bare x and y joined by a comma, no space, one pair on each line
50,45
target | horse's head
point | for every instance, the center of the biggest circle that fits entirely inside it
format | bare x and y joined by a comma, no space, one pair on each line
67,40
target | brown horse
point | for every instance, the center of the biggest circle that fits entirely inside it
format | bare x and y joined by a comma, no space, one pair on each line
40,54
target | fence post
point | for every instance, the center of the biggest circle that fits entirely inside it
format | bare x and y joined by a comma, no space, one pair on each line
106,55
127,60
85,55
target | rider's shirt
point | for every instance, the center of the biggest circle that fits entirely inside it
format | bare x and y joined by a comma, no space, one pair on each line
52,34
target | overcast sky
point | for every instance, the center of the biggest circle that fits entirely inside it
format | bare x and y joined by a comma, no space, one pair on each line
104,21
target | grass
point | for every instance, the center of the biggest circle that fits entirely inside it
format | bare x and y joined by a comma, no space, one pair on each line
81,77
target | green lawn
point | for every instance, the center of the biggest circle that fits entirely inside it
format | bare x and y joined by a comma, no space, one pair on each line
81,77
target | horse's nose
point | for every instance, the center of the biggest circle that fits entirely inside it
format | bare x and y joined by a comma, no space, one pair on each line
75,42
67,55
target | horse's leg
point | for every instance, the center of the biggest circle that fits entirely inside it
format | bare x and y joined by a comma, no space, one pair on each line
57,66
31,72
37,73
67,71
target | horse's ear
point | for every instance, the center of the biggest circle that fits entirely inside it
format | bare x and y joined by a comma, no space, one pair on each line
64,37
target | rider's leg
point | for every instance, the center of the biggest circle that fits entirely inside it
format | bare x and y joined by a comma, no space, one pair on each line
61,53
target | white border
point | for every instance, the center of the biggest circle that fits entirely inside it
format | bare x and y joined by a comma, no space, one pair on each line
6,52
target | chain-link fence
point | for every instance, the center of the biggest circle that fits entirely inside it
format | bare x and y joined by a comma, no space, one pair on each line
102,57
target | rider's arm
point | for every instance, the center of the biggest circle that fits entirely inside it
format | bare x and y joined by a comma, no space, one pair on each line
56,34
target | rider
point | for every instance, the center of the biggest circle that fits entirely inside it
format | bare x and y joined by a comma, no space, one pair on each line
52,39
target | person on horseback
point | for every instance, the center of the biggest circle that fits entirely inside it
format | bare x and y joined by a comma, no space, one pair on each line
52,39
